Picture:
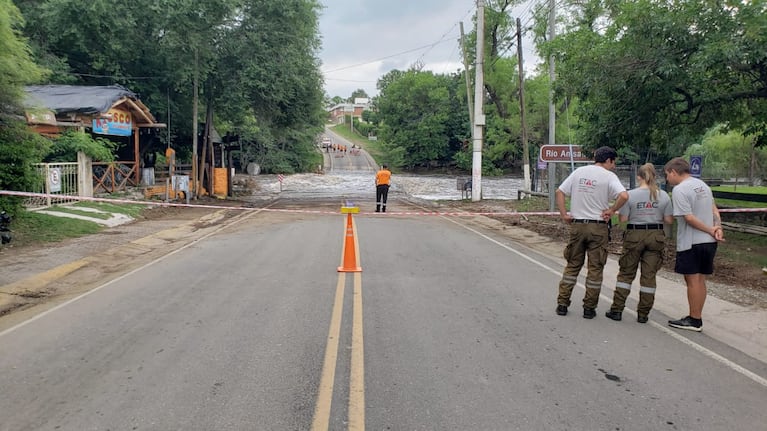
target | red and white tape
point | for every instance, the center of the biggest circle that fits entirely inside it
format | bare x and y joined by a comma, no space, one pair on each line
263,209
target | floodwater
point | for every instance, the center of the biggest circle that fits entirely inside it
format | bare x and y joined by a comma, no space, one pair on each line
356,184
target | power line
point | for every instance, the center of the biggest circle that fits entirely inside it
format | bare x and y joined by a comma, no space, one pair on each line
90,75
428,48
383,58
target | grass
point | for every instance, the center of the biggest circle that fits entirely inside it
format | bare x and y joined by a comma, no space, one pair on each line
731,203
72,210
746,248
758,190
29,227
132,210
374,148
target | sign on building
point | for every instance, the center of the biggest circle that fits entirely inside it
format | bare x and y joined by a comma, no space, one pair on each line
116,122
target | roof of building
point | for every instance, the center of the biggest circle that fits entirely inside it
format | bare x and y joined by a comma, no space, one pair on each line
85,99
76,98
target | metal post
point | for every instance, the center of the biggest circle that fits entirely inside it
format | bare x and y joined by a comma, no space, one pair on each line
552,112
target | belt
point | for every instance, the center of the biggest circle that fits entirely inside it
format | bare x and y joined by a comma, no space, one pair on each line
645,226
585,220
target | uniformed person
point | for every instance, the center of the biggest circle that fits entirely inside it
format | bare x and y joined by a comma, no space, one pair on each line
646,212
383,181
591,188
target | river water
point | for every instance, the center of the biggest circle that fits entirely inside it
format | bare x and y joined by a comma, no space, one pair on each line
357,184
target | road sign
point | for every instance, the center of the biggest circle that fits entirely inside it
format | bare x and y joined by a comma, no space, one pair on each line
280,178
54,179
696,166
563,153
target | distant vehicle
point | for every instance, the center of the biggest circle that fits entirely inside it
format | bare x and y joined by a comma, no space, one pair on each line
326,142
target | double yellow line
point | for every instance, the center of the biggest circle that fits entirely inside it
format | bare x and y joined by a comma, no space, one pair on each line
356,412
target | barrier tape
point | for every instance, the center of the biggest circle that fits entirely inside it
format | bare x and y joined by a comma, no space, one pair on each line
395,213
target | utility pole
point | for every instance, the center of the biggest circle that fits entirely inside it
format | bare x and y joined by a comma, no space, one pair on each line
525,151
479,116
552,112
194,124
468,80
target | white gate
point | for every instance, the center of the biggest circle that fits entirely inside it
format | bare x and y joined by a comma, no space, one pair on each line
54,179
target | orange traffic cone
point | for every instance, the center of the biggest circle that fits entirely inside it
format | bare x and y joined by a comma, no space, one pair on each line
350,249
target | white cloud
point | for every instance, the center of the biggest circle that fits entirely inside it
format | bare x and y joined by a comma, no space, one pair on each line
365,39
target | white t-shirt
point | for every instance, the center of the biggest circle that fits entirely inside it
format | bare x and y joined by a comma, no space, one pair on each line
640,209
692,196
591,188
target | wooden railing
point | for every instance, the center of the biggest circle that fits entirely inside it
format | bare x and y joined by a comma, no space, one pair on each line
114,176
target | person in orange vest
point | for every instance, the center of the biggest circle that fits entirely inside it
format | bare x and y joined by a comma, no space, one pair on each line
383,181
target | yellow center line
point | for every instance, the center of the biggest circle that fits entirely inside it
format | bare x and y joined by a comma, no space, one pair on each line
325,394
321,420
357,379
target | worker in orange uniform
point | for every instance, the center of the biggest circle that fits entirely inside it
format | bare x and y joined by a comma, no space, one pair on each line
383,181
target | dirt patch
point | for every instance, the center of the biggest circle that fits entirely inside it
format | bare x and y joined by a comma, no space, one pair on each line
735,279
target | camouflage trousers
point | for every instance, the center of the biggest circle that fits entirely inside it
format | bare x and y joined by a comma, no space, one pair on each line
641,249
586,239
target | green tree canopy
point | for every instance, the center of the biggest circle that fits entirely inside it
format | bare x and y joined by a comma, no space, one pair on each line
419,112
652,76
255,61
16,65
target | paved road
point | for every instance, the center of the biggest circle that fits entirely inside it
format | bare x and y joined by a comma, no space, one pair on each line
448,327
352,160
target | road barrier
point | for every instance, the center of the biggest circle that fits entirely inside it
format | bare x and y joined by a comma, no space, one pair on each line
371,213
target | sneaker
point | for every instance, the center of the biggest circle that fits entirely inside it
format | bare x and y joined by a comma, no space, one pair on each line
688,323
589,313
614,315
562,310
642,319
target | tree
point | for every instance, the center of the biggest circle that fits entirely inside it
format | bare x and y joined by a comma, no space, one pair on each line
653,76
19,148
256,61
16,65
730,154
415,111
358,93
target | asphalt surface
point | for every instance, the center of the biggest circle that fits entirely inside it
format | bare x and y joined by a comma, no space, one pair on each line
246,323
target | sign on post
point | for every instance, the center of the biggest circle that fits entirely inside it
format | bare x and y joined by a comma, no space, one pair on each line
563,153
696,166
54,180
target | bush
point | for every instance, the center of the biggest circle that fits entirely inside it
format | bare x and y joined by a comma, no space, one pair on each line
66,147
20,149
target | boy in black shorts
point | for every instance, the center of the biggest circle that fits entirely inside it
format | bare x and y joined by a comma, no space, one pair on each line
699,228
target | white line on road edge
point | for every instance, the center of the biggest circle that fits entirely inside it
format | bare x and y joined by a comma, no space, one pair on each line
706,352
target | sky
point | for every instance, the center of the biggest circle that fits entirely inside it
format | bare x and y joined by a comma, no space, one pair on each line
363,40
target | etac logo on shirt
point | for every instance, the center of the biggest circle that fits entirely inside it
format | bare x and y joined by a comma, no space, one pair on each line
646,205
700,190
587,182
